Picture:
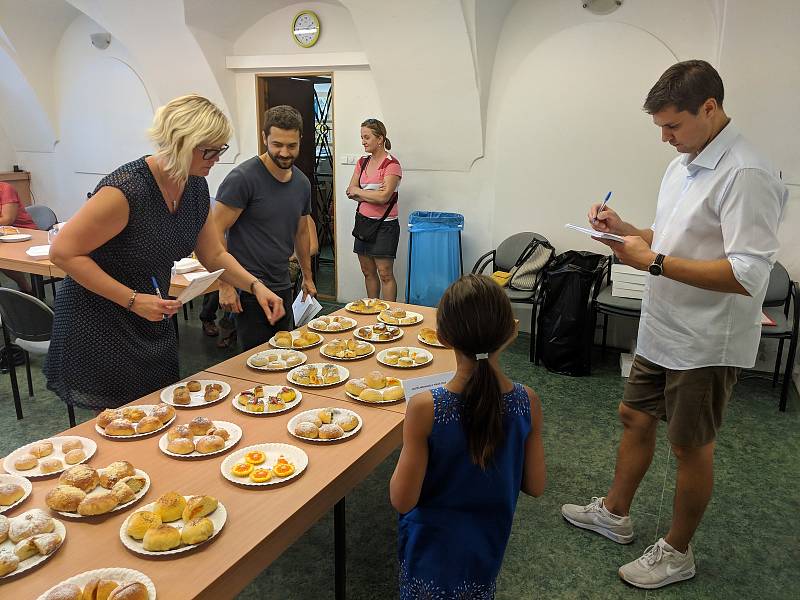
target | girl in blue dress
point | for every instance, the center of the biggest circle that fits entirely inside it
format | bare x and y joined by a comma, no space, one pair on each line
468,449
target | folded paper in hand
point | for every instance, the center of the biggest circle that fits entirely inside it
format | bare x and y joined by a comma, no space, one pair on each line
198,286
306,310
595,234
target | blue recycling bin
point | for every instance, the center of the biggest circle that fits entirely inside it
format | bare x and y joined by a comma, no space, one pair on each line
434,255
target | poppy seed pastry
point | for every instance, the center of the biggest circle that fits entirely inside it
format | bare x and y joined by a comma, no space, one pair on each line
194,386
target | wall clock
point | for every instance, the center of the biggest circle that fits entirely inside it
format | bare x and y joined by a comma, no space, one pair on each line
306,28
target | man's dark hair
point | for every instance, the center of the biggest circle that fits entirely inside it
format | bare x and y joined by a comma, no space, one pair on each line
283,117
685,85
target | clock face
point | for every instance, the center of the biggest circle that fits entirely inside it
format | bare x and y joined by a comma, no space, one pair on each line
305,28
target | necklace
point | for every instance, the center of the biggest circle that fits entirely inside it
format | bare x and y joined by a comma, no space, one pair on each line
169,198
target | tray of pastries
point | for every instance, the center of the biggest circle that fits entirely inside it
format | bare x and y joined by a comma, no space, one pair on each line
83,491
200,437
404,358
349,349
317,375
264,464
276,360
173,524
380,332
13,491
376,388
196,392
133,422
399,316
332,323
27,540
296,339
49,456
267,399
428,336
112,583
325,424
367,306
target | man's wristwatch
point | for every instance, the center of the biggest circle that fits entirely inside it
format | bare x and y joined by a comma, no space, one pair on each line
656,268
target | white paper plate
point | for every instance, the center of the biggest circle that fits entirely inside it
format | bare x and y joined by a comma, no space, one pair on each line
218,518
295,335
118,574
89,447
349,307
186,265
269,390
410,314
232,428
382,357
439,345
293,454
196,397
354,397
148,408
303,359
303,416
15,237
344,375
29,563
374,338
138,496
368,354
26,486
348,324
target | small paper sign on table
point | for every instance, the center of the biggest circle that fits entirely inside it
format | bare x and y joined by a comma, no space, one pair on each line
425,383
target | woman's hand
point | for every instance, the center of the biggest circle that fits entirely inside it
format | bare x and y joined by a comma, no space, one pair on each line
352,192
153,308
229,298
270,302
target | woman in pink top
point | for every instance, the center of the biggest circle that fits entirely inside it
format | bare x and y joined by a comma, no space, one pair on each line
13,214
374,186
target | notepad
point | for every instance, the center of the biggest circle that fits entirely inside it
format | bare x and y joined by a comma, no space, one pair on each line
595,234
198,286
306,310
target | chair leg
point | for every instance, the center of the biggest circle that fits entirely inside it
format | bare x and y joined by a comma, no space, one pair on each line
71,413
787,376
777,371
53,289
28,373
185,314
12,372
605,332
534,350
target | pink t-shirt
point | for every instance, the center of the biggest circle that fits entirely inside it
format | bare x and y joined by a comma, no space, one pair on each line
389,166
8,195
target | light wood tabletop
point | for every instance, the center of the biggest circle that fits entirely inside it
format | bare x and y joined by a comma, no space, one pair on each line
443,359
261,523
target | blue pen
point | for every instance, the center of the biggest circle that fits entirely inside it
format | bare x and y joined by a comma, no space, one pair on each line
602,206
158,291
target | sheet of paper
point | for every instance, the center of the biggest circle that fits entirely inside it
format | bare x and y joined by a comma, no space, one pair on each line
305,311
427,382
195,275
38,252
198,285
595,234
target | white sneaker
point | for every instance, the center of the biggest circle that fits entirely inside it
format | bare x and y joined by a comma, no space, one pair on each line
660,565
595,517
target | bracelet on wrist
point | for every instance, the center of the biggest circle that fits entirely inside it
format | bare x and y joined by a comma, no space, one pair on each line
132,300
253,285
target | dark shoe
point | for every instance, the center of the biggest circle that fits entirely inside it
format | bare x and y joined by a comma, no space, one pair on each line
210,329
226,341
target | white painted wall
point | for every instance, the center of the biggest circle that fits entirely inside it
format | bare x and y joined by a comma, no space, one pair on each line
8,156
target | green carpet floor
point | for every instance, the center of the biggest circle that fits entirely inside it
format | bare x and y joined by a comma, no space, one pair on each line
746,547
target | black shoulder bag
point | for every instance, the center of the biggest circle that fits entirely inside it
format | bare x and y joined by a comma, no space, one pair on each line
366,229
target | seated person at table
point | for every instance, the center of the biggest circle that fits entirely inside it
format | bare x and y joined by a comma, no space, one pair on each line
13,214
468,449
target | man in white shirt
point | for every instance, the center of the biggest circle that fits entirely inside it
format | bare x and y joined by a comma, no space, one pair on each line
709,255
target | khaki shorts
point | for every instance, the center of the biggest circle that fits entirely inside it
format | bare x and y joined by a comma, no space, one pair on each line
692,402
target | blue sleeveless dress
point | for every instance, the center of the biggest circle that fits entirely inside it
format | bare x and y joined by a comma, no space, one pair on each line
451,544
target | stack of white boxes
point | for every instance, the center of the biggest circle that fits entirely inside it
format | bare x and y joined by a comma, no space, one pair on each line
627,282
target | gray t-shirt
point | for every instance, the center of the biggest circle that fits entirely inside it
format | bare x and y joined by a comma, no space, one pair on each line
262,239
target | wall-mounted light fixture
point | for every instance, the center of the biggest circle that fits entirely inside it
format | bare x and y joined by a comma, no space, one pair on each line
601,7
101,41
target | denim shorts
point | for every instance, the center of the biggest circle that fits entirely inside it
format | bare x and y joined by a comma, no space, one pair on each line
385,245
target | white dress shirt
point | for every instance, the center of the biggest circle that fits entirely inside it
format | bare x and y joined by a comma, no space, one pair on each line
726,203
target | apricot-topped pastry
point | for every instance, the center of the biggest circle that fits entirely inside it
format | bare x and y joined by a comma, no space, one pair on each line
260,475
255,457
283,468
242,469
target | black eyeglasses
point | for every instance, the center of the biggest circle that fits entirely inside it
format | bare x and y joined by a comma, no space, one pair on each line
209,153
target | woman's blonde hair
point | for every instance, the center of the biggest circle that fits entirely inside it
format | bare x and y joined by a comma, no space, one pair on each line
183,124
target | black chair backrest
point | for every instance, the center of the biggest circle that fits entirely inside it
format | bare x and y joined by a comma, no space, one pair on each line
511,248
778,287
25,317
42,215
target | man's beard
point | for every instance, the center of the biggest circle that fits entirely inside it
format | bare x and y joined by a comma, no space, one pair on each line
283,163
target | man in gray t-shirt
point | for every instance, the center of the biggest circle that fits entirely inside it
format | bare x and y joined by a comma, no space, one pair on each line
261,208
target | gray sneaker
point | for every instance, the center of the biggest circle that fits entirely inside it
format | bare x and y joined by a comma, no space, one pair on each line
660,565
595,517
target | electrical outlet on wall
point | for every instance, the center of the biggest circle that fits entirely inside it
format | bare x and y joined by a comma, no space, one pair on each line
349,159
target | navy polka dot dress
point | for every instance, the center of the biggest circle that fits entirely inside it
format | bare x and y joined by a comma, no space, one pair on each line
102,355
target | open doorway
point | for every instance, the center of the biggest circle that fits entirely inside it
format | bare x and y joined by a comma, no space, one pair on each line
312,96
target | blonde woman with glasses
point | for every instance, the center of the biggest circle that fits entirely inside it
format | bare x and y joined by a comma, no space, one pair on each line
112,337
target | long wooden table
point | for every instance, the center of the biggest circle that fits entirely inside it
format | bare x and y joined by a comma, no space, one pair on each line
262,523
